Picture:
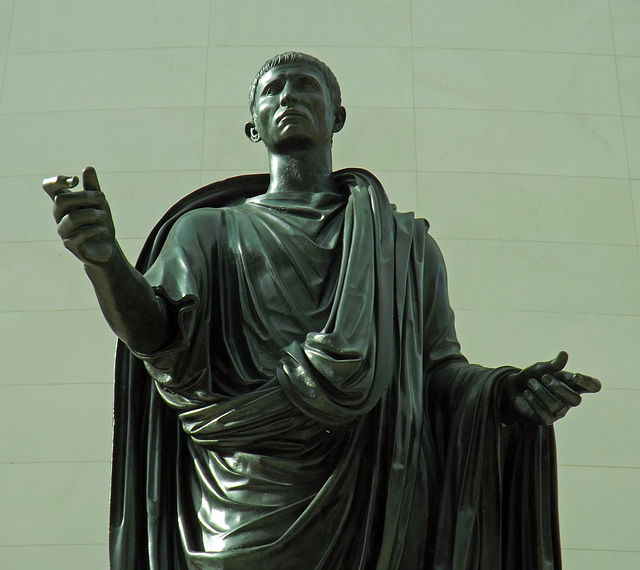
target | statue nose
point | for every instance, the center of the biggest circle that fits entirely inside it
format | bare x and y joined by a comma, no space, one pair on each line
287,98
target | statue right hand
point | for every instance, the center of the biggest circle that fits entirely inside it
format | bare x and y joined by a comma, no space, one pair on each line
83,217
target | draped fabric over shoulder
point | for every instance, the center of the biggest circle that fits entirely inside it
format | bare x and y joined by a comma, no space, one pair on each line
314,410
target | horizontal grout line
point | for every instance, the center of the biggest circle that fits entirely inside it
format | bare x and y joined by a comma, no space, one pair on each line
91,461
55,384
547,312
66,544
618,389
612,54
103,461
441,238
518,312
630,315
527,111
154,171
458,309
45,241
54,545
411,171
600,466
116,110
600,550
9,54
523,51
231,172
531,174
379,107
83,309
110,383
437,237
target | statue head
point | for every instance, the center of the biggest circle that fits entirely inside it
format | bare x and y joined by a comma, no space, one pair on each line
302,58
294,102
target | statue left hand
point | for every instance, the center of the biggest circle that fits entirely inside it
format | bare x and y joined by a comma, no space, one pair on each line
543,393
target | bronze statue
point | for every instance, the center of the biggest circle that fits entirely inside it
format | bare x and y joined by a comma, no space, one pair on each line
290,391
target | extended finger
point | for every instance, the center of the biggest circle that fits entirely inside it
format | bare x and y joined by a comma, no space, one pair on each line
582,383
77,219
90,179
547,398
557,387
59,184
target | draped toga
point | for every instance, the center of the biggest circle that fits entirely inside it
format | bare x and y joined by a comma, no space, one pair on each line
314,409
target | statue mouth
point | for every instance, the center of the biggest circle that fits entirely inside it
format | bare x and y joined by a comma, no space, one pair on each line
289,113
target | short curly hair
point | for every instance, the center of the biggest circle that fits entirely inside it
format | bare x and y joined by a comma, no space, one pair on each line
297,57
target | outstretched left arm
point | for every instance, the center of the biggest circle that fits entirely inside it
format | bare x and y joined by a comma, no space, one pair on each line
543,393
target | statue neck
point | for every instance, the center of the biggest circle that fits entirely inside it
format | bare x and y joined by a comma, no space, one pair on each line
304,171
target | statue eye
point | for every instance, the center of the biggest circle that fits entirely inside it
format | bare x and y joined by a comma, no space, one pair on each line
307,83
272,89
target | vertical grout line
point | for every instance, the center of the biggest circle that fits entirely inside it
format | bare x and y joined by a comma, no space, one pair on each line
204,95
6,56
624,130
413,100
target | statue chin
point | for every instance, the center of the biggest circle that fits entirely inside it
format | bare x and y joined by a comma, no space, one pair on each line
293,144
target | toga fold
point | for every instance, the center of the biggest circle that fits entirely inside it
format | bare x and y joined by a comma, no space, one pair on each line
314,409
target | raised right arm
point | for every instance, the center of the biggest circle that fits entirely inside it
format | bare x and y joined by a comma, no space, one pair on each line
134,313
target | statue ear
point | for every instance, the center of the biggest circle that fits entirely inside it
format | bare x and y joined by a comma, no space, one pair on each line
340,117
251,132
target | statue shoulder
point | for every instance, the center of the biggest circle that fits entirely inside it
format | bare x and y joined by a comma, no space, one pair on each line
201,224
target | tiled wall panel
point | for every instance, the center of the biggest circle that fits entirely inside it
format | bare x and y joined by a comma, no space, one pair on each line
72,25
516,81
6,10
118,140
98,80
629,75
632,132
56,423
626,22
553,277
56,556
51,347
511,142
570,26
527,208
54,503
384,23
599,508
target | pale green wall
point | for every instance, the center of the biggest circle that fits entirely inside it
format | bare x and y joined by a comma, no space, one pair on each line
514,126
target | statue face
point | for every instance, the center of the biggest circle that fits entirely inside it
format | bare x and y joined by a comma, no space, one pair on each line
293,109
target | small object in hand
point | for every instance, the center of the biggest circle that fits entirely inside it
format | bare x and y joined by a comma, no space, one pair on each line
59,184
